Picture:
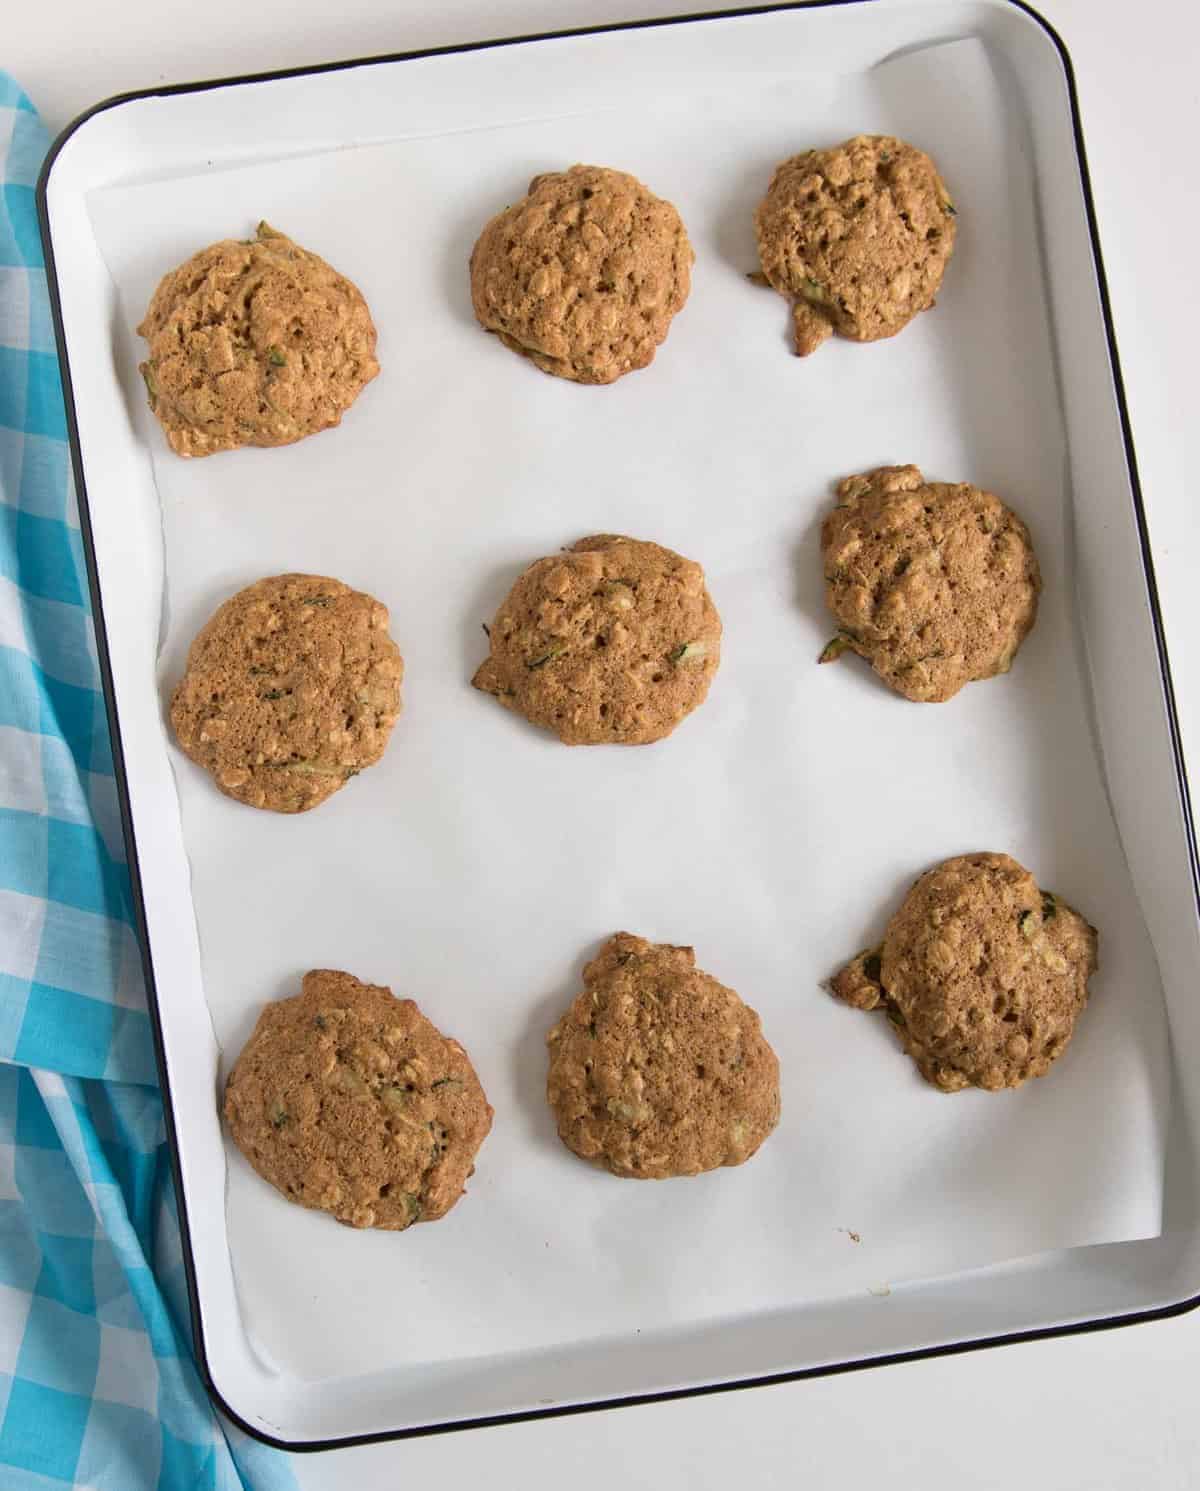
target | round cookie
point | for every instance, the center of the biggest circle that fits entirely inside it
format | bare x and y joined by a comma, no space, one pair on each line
291,689
349,1101
612,642
857,236
254,343
936,585
982,974
584,274
657,1069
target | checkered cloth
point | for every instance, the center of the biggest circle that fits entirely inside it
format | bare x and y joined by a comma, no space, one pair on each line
97,1385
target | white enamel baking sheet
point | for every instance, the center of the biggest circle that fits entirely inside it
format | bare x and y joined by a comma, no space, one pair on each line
481,862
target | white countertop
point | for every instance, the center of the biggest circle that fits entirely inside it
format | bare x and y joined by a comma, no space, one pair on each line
1106,1409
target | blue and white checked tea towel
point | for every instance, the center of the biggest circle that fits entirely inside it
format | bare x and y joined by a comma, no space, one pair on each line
98,1389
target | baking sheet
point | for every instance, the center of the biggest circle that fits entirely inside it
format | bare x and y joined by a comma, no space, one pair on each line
480,863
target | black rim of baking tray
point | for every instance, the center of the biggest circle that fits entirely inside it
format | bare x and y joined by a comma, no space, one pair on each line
1161,1312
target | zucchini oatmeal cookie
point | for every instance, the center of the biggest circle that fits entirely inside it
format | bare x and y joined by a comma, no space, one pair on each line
657,1069
936,585
613,641
982,974
584,275
291,689
858,237
254,342
347,1100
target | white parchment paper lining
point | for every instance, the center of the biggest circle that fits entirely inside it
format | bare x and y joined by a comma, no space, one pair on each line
480,863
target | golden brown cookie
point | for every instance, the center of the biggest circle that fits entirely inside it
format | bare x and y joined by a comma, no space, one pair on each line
254,343
584,274
858,238
657,1069
612,642
935,585
349,1101
291,689
982,974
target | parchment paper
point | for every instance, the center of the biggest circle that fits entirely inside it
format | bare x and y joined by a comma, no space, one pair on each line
481,863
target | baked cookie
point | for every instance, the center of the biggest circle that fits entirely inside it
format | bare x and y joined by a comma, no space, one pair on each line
982,974
657,1069
291,688
936,585
613,641
349,1101
857,237
584,274
254,342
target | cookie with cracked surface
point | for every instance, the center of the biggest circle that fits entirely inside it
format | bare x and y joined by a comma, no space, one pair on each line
935,584
657,1069
612,642
291,688
254,342
982,974
584,275
348,1100
858,237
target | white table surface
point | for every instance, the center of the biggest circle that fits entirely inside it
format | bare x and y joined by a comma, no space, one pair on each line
1110,1409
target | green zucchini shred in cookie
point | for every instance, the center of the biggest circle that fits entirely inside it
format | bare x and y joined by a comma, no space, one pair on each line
833,649
547,657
